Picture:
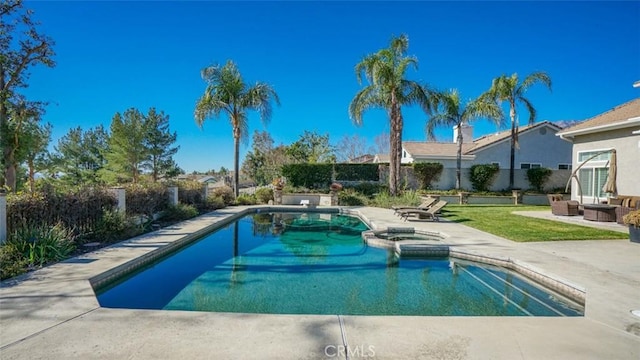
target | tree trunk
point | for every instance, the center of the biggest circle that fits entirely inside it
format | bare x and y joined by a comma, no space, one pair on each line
459,157
9,170
398,168
395,153
512,158
236,161
32,175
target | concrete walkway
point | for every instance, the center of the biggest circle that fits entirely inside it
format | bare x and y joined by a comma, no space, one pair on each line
52,313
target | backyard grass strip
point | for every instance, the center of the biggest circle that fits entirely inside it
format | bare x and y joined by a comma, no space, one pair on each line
499,220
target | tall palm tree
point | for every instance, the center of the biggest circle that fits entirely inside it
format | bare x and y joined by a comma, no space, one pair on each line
388,89
507,88
227,92
450,112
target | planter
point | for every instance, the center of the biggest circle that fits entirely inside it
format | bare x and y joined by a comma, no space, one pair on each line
634,234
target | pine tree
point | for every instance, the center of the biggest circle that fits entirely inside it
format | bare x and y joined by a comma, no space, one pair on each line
79,155
127,149
158,142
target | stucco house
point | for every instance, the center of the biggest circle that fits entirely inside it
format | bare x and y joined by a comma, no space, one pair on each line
619,129
538,147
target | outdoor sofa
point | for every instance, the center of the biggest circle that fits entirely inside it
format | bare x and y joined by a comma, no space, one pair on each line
624,205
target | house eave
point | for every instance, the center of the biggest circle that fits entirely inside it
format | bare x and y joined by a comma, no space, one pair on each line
596,129
443,157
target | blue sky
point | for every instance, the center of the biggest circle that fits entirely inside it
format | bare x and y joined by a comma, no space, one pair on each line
112,56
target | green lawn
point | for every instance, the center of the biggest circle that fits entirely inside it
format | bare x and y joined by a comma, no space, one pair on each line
499,220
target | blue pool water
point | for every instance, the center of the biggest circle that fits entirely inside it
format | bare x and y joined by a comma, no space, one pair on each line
293,263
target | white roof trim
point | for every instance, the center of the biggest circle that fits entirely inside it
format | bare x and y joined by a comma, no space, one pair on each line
594,129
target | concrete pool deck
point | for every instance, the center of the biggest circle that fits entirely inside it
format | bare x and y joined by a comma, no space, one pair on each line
52,313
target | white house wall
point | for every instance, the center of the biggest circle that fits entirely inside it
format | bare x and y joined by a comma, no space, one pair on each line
627,147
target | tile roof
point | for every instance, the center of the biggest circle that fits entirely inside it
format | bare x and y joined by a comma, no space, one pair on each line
382,158
434,148
618,114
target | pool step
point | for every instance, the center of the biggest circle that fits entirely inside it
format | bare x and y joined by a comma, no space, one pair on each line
422,250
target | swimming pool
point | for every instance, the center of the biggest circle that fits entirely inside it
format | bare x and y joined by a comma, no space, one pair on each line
298,263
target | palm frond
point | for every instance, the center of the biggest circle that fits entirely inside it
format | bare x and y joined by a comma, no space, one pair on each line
530,109
208,107
410,92
400,44
258,98
480,108
536,77
365,99
437,120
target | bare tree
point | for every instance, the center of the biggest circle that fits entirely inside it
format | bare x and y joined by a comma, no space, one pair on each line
351,147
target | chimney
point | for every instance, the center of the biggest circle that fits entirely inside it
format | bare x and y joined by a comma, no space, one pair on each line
467,134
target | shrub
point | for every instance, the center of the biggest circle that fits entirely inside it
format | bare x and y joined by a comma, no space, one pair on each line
12,262
427,172
538,177
225,193
350,197
482,176
41,245
384,200
369,189
264,195
215,202
179,212
111,226
632,218
246,199
146,199
191,192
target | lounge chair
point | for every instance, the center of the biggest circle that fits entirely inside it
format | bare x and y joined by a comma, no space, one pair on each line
430,214
426,203
563,207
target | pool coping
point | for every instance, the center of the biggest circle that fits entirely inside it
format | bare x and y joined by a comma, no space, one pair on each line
38,323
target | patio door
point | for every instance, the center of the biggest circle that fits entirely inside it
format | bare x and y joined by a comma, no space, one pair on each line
593,176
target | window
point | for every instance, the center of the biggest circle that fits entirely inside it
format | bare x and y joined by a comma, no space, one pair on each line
594,172
585,155
530,165
592,180
564,167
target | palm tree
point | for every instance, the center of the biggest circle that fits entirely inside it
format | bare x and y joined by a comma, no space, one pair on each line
226,92
388,89
451,113
507,88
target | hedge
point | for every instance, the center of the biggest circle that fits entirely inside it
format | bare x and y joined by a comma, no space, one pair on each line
356,172
308,175
79,210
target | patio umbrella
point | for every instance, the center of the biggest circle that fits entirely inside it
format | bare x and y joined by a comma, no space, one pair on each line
610,185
